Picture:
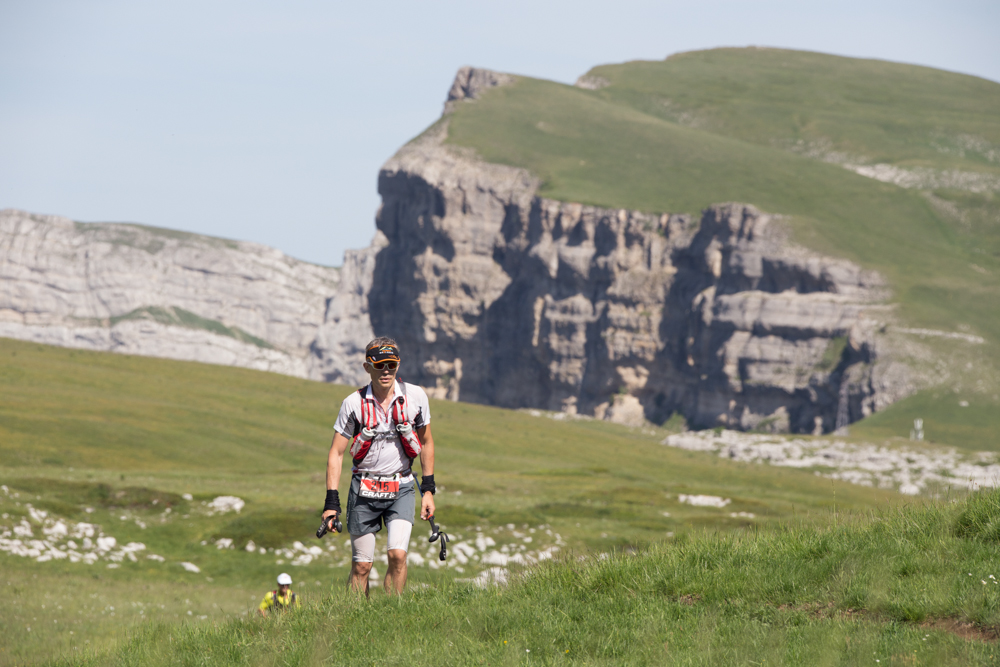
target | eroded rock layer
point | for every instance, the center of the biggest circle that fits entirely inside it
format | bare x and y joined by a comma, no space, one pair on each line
503,297
156,292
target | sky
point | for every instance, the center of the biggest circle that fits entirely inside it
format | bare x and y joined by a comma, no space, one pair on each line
268,121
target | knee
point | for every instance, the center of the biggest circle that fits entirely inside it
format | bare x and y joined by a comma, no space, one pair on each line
397,558
361,569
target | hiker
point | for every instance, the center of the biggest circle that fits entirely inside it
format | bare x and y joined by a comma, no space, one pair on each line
389,423
281,599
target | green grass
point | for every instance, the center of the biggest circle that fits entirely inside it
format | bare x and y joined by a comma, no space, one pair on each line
911,586
872,109
714,126
946,420
127,437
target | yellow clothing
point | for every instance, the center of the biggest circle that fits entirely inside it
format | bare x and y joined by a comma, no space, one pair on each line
276,599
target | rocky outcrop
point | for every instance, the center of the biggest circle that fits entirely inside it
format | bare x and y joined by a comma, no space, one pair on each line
503,297
158,292
471,82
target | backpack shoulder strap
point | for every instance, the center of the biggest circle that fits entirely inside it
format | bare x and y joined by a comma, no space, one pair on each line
359,419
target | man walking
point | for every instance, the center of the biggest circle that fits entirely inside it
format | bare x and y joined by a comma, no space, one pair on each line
386,424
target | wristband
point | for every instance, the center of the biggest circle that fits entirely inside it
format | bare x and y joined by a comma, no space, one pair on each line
332,500
427,484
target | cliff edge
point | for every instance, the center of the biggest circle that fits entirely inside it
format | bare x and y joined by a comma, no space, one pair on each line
501,296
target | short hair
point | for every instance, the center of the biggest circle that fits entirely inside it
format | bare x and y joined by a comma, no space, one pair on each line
379,342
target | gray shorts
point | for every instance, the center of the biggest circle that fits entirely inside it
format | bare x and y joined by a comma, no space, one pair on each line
367,515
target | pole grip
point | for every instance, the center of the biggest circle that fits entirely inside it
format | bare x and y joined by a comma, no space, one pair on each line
324,528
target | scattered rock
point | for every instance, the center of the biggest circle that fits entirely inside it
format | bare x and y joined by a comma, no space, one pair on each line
909,470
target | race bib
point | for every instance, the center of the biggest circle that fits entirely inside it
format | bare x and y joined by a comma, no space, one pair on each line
379,487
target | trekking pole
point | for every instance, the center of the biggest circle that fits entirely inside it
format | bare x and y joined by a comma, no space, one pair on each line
435,534
335,526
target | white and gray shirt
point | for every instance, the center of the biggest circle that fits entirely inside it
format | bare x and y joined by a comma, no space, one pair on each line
386,455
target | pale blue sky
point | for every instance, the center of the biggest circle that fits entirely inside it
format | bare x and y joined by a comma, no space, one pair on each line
268,121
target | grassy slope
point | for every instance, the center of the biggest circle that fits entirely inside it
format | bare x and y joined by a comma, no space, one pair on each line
897,589
72,420
865,111
620,146
872,109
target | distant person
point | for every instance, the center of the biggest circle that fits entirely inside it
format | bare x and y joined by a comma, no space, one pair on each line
389,423
281,599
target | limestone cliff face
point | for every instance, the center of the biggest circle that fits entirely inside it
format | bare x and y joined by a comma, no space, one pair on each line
500,296
156,292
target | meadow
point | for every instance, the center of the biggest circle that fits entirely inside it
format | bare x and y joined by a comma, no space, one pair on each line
139,449
909,586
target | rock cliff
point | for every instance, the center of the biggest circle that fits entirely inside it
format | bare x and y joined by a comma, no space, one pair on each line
501,296
157,292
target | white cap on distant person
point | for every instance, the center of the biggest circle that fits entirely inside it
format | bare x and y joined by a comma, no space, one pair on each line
284,579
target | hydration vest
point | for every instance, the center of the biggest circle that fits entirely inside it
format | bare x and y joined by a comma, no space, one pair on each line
281,604
365,433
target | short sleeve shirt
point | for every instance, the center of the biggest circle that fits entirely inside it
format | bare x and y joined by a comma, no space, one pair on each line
272,599
386,455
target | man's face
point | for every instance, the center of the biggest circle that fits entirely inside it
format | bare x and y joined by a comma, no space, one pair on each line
382,378
283,588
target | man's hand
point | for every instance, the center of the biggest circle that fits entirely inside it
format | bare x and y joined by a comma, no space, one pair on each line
327,516
427,506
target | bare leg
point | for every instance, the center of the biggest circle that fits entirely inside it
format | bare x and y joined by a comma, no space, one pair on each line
395,578
358,580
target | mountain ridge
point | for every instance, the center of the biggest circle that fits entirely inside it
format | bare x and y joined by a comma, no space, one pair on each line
140,290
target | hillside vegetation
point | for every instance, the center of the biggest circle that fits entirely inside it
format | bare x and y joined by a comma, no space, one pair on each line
116,442
916,586
776,129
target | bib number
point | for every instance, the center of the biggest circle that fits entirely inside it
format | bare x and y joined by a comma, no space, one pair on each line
379,487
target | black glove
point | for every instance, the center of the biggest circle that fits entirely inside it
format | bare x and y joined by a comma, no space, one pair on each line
427,484
332,501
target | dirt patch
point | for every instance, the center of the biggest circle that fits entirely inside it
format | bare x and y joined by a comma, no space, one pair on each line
963,629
